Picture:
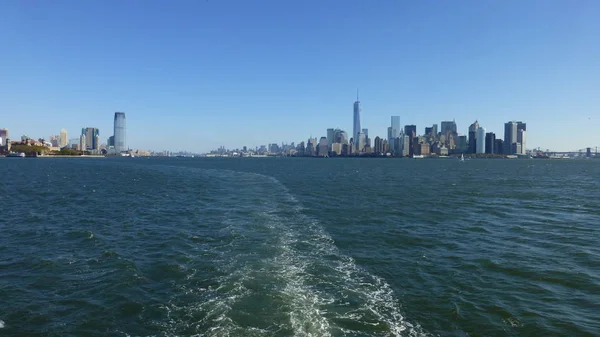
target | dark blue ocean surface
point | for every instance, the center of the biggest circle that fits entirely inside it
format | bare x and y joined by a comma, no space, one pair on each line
299,247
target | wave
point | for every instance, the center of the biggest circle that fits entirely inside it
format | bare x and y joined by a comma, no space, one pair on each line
316,290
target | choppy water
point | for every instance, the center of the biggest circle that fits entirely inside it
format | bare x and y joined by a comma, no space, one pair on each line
299,247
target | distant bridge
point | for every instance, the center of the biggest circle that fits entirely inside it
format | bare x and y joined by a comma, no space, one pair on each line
591,151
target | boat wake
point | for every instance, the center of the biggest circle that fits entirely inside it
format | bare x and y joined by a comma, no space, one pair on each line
281,274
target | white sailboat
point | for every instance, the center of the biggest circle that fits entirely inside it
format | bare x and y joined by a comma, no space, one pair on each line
462,157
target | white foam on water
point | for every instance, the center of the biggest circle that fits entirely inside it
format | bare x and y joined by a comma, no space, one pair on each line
309,258
322,290
1,324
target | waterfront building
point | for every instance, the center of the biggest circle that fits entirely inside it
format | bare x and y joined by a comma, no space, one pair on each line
91,138
405,150
394,132
336,148
521,133
499,146
516,148
386,146
323,148
480,140
3,137
362,142
490,142
82,143
340,136
411,132
473,137
462,144
356,119
367,139
330,137
119,133
510,137
378,146
64,141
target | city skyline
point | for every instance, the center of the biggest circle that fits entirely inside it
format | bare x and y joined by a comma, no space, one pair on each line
201,75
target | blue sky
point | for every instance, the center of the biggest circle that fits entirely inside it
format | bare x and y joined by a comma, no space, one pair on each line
198,74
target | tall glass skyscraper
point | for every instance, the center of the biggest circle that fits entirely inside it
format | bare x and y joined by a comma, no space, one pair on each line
356,129
119,132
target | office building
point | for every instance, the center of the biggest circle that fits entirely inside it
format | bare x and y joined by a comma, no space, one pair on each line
362,142
499,146
462,144
82,142
120,132
516,148
480,140
356,127
64,141
448,127
510,136
473,137
367,139
91,138
490,142
323,148
521,139
330,137
3,137
394,131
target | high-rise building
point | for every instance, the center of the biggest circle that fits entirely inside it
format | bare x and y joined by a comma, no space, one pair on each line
473,137
499,146
3,136
323,148
91,138
330,137
378,148
480,142
356,127
64,141
510,136
340,136
521,139
367,139
82,142
394,131
490,142
362,142
461,144
120,143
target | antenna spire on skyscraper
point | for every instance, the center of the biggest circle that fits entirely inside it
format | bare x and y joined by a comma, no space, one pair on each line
356,94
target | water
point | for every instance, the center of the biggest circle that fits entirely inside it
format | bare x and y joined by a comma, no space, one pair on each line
299,247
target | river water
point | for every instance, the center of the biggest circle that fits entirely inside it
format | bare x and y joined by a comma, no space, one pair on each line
299,247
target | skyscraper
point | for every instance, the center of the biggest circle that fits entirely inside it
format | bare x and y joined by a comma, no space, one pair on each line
521,139
395,124
480,140
356,128
330,137
3,136
473,137
490,142
510,136
64,141
119,132
521,133
91,138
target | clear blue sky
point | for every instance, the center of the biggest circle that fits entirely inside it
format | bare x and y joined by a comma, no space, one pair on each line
198,74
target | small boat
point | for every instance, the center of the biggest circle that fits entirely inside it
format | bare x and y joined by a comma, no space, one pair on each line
16,154
462,157
418,156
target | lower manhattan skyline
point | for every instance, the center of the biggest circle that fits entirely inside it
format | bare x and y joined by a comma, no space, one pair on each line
196,76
